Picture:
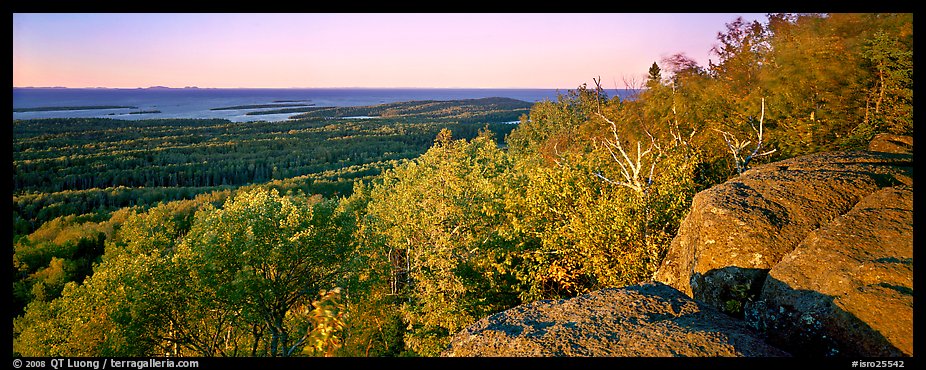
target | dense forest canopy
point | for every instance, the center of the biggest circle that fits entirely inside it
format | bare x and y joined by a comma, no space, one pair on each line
321,237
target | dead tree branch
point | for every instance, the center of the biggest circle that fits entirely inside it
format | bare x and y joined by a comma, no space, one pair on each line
630,168
736,146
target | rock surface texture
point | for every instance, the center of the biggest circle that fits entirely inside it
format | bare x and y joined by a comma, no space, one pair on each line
810,256
645,320
815,252
737,231
847,290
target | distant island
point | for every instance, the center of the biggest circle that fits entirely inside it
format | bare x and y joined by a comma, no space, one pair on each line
286,110
83,107
259,106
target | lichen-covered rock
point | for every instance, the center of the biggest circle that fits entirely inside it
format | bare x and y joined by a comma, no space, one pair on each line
847,289
645,320
739,230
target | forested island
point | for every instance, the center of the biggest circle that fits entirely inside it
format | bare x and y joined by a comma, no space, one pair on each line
330,236
82,107
259,106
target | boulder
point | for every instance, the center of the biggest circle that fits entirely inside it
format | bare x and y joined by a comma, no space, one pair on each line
815,253
645,320
847,289
737,231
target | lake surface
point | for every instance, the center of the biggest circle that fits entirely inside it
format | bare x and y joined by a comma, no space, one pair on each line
198,102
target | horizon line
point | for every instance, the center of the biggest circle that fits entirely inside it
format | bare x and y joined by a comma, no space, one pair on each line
292,87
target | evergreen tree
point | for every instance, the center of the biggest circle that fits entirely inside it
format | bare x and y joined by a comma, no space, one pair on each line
655,76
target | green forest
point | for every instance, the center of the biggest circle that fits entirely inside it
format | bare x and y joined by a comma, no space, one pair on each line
331,235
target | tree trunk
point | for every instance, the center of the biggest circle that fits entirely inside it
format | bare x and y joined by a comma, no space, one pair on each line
256,334
881,86
278,339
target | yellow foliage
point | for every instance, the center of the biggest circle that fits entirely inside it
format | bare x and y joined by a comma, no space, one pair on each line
328,317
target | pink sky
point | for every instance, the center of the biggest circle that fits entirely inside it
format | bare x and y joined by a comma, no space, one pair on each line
507,50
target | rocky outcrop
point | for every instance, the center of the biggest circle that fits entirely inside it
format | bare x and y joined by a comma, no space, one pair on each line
737,231
847,289
811,256
645,320
890,143
815,252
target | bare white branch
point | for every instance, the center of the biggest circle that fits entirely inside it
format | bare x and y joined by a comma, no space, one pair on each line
630,169
736,146
559,155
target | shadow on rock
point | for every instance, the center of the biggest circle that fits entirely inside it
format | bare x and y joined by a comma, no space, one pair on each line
729,289
811,324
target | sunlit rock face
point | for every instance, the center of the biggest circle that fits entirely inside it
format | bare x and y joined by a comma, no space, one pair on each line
847,289
810,256
739,230
815,252
645,320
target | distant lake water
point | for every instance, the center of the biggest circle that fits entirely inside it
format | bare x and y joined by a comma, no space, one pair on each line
199,102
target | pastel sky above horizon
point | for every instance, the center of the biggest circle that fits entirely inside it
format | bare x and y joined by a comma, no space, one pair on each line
506,50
